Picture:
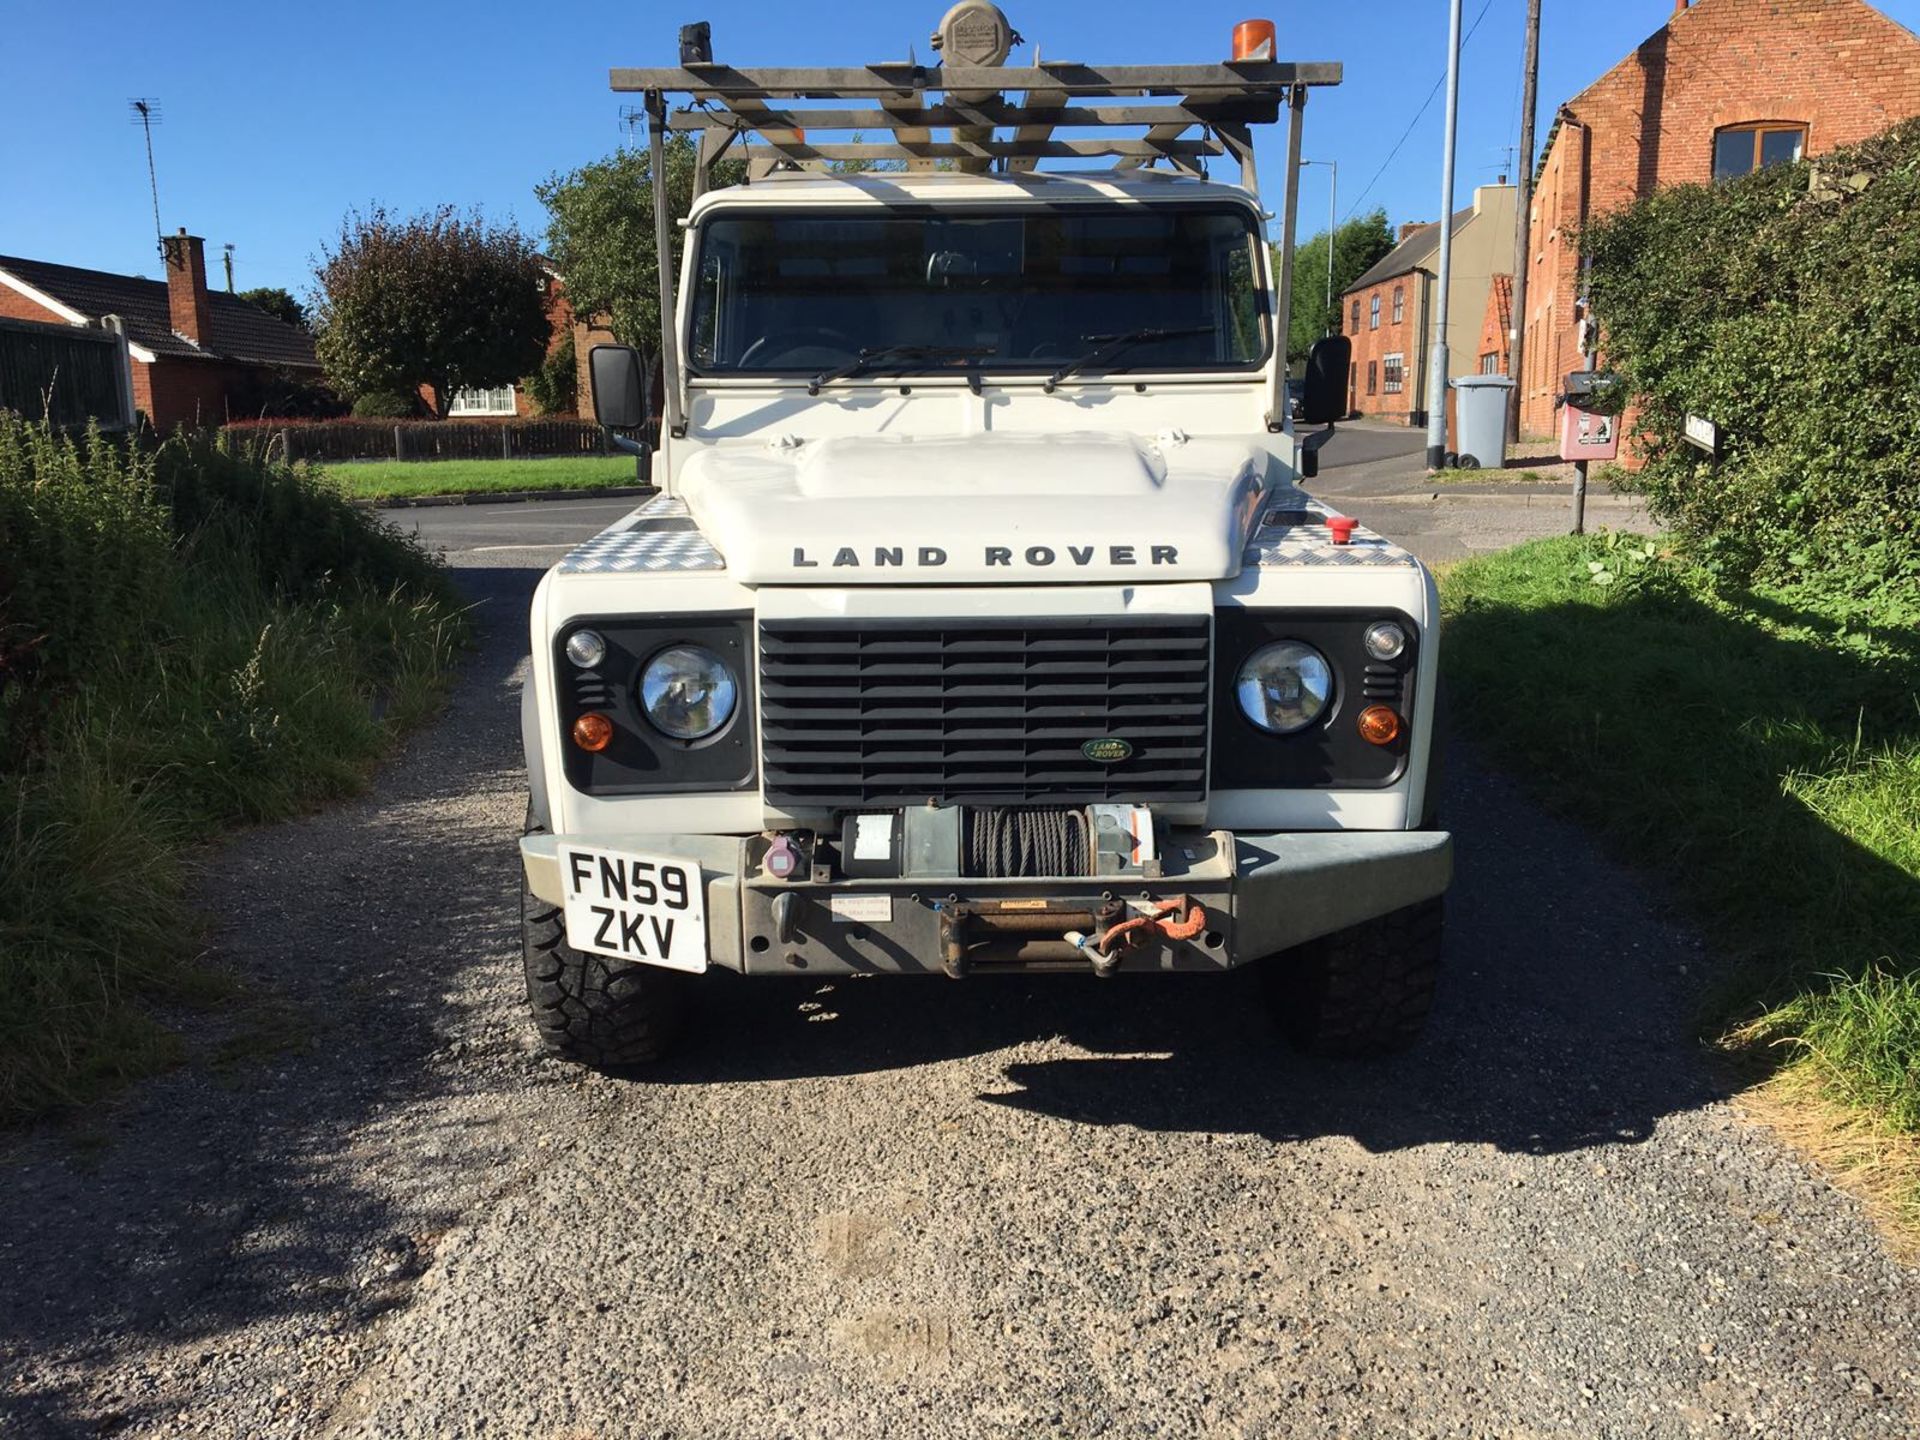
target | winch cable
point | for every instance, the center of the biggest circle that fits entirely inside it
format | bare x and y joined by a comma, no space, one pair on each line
1162,919
1005,844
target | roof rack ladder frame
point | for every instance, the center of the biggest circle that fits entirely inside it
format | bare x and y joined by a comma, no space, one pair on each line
714,144
656,103
1279,413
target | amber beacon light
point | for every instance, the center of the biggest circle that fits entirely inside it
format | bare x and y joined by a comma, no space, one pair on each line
1253,40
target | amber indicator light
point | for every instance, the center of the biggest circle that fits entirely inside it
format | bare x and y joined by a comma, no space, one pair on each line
1379,725
593,731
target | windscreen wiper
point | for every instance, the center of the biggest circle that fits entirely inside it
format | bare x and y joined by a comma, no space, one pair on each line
1107,347
883,355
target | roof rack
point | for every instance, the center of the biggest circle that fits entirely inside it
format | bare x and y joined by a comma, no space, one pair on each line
1191,113
1207,110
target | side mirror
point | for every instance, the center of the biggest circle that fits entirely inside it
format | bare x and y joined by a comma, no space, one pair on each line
613,373
1323,397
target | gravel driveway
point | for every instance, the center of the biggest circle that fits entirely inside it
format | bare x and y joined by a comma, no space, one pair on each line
915,1208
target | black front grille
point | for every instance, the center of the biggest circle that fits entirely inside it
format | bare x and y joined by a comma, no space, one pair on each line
897,713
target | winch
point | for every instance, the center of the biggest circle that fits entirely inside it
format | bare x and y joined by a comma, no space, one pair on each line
992,842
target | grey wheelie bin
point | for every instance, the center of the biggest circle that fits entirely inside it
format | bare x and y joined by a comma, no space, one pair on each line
1480,420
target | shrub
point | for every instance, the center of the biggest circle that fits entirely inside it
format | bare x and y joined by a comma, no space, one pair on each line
554,387
189,637
1783,306
384,405
284,394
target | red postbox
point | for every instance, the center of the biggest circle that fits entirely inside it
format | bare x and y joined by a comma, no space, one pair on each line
1589,428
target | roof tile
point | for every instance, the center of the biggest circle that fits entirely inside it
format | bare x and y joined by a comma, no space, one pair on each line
1410,254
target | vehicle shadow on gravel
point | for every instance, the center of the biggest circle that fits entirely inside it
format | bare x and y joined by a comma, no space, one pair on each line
1564,1021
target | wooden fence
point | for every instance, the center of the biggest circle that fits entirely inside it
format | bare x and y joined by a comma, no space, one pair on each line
423,439
67,375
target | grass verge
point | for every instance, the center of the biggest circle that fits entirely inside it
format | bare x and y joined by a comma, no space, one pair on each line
391,479
1760,751
189,640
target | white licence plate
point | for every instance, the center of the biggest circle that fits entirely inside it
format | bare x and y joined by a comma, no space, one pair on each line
649,908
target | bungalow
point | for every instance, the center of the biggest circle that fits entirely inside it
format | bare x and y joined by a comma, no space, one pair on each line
199,356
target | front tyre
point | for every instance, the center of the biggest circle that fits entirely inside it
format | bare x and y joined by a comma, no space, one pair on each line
592,1009
1362,991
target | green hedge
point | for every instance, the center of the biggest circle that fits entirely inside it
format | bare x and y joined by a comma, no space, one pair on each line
1784,306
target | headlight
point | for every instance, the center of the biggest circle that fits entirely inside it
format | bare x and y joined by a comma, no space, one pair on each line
1284,686
1385,640
688,692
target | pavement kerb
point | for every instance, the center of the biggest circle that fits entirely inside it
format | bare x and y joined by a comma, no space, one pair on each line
1564,497
505,497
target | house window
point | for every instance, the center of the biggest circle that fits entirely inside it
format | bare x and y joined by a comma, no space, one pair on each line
1354,328
1373,314
498,401
1490,363
1373,376
1393,372
1743,149
1399,303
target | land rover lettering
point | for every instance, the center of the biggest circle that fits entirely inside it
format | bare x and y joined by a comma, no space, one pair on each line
1037,557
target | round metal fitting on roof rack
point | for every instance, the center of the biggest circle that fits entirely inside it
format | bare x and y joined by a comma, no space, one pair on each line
974,32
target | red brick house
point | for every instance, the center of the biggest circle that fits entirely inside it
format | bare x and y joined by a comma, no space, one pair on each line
587,333
1724,86
199,356
1496,328
1390,311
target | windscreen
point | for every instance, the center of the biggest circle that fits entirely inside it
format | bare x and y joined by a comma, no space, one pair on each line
791,291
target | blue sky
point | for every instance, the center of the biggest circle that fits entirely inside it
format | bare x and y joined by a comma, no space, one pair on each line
277,118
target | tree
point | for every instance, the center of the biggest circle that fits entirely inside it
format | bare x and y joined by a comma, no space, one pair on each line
600,234
1358,245
278,303
440,300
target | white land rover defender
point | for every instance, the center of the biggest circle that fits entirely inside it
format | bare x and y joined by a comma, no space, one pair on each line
980,622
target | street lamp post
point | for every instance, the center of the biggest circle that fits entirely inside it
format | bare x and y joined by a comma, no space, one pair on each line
1333,191
1437,364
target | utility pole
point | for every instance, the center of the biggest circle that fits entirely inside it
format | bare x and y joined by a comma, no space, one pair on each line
1333,226
227,256
1437,362
1523,223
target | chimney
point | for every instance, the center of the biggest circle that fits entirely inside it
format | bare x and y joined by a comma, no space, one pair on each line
1407,227
188,309
1679,7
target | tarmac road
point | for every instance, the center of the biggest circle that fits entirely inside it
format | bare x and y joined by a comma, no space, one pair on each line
916,1208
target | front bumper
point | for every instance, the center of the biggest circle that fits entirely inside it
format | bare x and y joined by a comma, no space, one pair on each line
1260,893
